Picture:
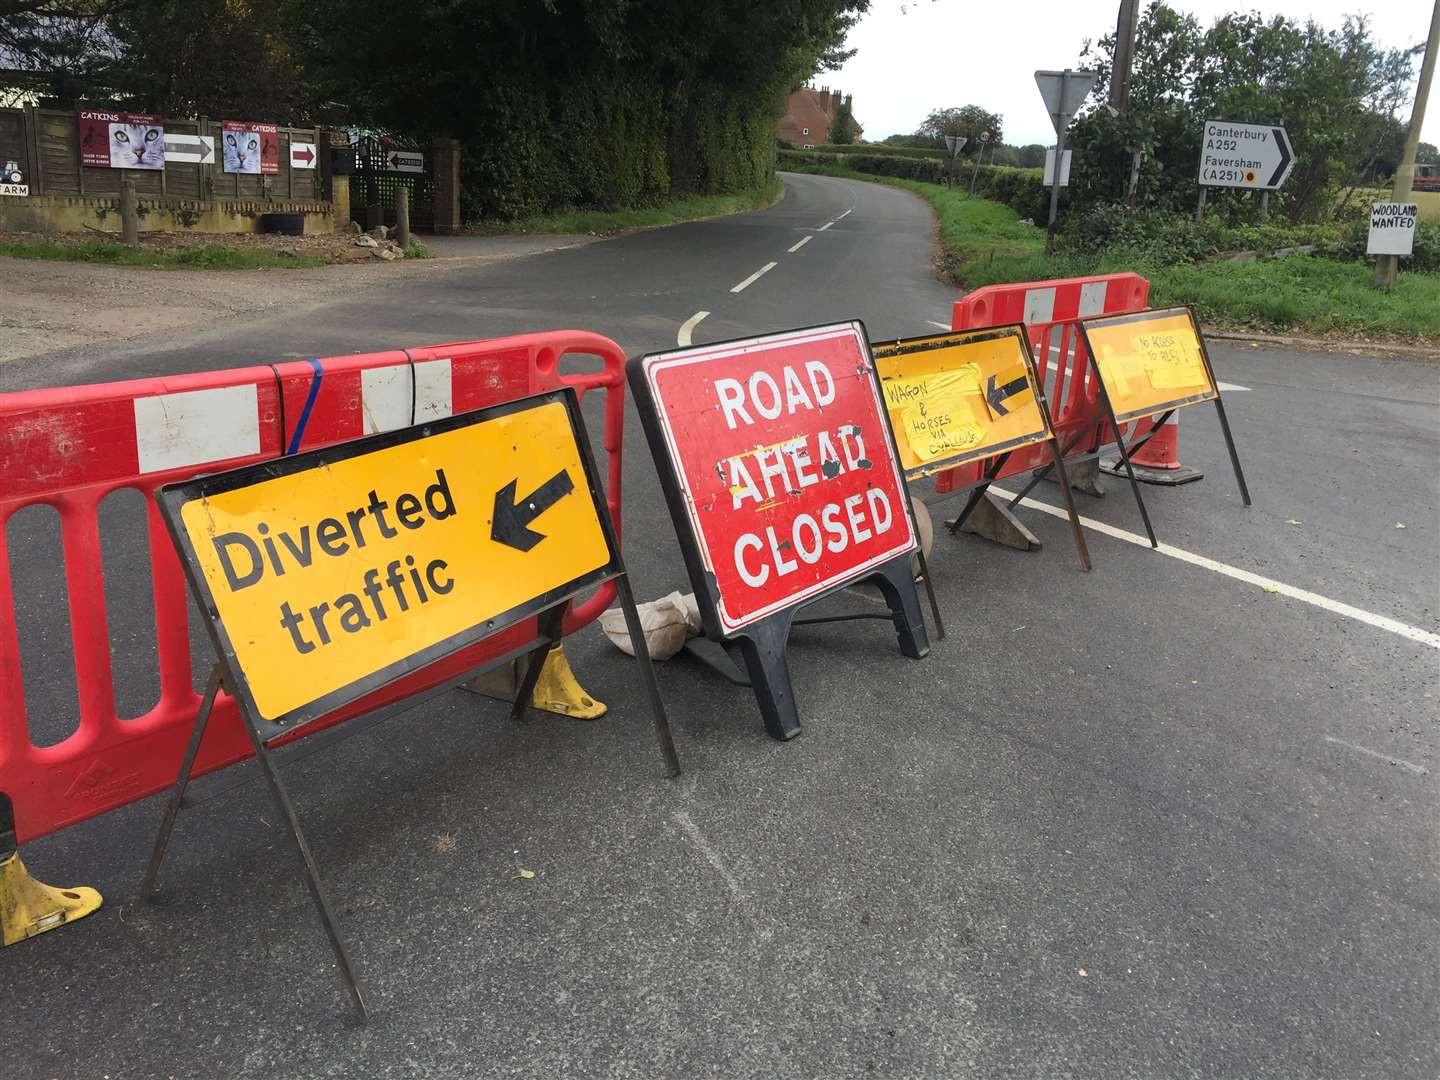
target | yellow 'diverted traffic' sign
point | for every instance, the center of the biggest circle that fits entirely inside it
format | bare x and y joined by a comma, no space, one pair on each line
960,397
330,573
1150,361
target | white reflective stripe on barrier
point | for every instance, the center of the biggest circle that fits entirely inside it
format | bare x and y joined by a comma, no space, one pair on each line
1039,306
385,395
196,426
1092,298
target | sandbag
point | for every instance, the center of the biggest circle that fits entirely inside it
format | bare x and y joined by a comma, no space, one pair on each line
667,624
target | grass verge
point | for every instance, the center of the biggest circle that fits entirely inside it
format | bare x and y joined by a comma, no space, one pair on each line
202,257
604,222
985,243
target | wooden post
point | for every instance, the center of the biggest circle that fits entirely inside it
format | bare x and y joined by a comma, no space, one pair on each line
402,217
129,213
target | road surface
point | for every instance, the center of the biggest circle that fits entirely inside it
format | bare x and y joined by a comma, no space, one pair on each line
1176,817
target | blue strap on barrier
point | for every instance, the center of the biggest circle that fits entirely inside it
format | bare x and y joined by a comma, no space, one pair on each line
319,374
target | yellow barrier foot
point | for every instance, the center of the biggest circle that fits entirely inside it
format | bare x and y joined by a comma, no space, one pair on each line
29,907
557,690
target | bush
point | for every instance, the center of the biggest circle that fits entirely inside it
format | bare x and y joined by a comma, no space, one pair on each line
1349,241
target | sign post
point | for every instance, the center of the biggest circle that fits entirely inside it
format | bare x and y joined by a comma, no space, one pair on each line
1063,93
785,485
328,574
1151,363
968,396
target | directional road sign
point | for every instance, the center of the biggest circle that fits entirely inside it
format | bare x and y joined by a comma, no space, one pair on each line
1256,156
402,161
189,149
330,573
1063,93
302,155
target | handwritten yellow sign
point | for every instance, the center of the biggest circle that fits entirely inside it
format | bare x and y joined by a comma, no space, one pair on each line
960,397
333,572
1150,361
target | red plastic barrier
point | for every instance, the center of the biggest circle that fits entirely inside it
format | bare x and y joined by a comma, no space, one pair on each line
71,447
1051,311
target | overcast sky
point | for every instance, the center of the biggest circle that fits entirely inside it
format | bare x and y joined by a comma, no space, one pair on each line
918,55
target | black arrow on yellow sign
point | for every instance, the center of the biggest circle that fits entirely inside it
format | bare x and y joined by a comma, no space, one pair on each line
995,395
511,523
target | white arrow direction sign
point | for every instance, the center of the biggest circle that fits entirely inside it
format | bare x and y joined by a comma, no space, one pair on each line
189,149
1256,156
400,161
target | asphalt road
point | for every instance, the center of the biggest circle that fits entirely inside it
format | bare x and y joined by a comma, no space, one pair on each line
1154,821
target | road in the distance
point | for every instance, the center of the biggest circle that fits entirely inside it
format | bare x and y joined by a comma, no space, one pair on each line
1151,821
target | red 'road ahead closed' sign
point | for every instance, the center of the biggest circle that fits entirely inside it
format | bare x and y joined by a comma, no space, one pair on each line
784,463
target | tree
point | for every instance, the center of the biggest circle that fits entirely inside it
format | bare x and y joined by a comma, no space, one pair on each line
968,122
1335,92
55,49
842,128
1032,156
1426,154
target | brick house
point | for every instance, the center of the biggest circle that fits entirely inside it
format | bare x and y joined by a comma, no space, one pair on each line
809,114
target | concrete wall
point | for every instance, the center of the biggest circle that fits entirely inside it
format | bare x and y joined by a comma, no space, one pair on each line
76,213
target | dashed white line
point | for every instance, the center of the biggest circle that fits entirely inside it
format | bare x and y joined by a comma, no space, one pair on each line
1418,770
941,325
800,243
688,327
756,276
827,224
1230,388
846,214
1370,618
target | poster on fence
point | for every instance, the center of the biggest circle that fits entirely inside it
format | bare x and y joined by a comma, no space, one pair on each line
121,140
251,148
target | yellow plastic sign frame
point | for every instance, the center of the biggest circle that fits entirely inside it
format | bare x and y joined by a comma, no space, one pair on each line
1150,362
961,396
329,574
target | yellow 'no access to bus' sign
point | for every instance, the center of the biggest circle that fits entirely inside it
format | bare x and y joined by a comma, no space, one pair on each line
1150,361
330,573
960,397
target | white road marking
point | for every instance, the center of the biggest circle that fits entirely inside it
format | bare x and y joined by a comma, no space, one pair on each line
1418,770
941,325
827,224
755,277
846,214
1382,622
1230,387
800,243
688,327
695,836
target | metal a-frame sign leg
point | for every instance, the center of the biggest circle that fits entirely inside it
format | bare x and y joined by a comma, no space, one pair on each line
287,810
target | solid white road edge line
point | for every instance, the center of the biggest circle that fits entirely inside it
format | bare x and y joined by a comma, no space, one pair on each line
688,327
755,277
800,243
941,325
1381,622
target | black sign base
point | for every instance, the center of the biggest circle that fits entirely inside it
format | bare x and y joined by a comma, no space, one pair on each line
760,647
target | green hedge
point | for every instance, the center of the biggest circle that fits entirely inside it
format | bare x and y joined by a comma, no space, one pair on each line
1019,189
877,149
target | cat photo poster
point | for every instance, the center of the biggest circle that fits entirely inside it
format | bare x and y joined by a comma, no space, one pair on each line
251,148
121,140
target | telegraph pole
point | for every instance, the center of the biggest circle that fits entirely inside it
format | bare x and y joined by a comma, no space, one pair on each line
1387,267
1125,27
1124,54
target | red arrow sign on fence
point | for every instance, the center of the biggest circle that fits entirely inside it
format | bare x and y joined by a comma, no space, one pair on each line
304,154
